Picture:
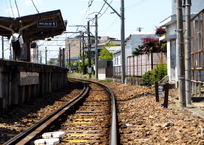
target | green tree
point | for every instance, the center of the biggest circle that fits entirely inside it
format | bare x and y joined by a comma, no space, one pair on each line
110,44
105,54
78,64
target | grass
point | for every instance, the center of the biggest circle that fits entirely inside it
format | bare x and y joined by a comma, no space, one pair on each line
80,76
105,81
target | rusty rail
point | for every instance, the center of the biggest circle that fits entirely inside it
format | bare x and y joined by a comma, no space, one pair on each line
114,120
29,134
37,129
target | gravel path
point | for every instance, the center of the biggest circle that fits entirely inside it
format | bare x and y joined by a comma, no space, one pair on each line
142,119
145,121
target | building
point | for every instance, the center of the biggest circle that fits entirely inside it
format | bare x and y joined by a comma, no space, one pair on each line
171,24
131,43
75,46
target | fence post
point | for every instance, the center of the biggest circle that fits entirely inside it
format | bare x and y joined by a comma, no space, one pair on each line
156,90
166,95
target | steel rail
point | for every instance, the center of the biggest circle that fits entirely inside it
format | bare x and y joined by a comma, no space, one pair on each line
114,120
26,136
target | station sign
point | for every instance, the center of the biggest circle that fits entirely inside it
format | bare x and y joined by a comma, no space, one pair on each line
47,24
29,78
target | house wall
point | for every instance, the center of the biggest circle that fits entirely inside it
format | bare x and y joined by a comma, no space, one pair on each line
74,47
132,43
172,65
135,40
117,64
171,29
171,25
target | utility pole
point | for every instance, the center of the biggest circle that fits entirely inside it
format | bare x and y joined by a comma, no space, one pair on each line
69,56
2,47
60,57
37,55
123,40
188,51
96,47
63,57
80,46
122,37
83,59
45,55
40,57
180,55
139,29
89,51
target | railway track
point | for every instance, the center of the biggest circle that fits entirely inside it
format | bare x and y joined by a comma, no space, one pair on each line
89,118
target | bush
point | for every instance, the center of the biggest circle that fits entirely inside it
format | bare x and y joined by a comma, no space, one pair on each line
146,80
155,75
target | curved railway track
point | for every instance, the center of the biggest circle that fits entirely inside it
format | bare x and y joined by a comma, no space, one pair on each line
88,118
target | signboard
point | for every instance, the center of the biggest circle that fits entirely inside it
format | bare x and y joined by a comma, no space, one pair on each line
89,70
160,90
47,24
29,78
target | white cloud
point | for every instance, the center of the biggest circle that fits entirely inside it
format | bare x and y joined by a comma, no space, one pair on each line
29,2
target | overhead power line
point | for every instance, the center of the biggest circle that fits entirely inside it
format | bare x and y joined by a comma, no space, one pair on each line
111,7
84,18
135,5
90,3
11,8
35,6
102,7
17,9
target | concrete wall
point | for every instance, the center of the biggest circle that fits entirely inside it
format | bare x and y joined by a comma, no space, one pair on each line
19,81
105,69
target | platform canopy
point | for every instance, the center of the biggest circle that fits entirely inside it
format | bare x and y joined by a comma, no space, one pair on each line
34,27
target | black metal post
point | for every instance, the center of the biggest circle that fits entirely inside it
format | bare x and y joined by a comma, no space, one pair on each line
156,91
166,95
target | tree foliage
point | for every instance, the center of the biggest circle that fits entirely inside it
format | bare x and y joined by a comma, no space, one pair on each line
78,64
105,54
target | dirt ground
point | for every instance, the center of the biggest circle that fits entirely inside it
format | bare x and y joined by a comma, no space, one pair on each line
142,120
151,123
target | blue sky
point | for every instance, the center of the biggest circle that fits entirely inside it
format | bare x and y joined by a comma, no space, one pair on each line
138,13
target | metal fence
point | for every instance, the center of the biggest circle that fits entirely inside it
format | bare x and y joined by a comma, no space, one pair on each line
138,65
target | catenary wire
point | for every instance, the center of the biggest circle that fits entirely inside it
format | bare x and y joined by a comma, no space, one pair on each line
35,6
88,9
90,3
17,9
105,9
136,5
11,8
84,18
